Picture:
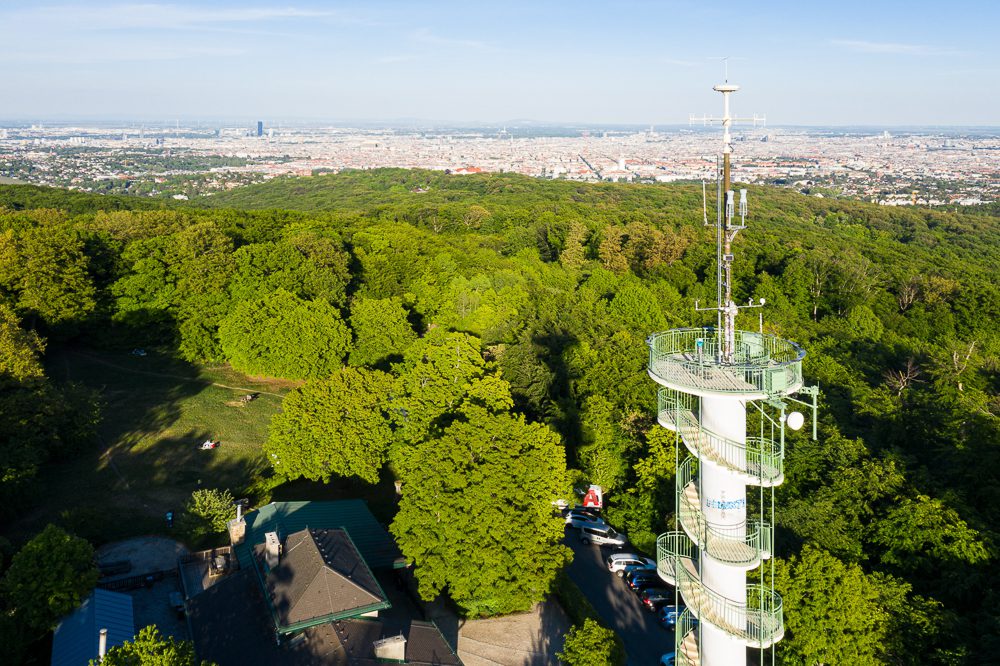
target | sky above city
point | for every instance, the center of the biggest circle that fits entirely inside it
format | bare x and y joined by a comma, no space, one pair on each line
645,62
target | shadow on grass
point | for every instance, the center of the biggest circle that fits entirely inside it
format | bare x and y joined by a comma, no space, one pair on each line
156,412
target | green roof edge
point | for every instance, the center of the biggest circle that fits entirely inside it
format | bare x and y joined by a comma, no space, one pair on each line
332,617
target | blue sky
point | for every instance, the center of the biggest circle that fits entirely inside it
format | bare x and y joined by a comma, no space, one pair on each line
876,62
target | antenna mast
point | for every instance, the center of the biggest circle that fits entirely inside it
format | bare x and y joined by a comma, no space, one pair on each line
725,223
710,378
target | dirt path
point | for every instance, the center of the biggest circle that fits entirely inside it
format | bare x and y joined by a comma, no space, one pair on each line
164,375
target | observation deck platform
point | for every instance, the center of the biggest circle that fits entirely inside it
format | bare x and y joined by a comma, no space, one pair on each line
690,360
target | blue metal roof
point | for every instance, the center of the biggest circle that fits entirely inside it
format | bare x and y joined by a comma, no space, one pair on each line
76,637
373,542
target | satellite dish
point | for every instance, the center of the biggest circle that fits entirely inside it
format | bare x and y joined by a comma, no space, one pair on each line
795,420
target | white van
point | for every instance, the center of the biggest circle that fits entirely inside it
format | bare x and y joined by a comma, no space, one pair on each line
602,535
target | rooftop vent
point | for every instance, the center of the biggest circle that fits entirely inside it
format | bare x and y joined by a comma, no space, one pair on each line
272,549
391,649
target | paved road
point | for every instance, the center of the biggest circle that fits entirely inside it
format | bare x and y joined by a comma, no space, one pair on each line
645,640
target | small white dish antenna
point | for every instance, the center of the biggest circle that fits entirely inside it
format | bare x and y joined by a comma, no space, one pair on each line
796,420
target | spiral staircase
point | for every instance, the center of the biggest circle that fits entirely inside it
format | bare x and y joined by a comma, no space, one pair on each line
717,542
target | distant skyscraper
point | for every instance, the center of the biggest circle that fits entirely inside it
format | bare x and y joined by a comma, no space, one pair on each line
260,128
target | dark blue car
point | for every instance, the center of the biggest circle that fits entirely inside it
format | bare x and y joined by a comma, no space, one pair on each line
669,614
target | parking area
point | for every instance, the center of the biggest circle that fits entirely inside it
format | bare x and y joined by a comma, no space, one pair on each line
645,640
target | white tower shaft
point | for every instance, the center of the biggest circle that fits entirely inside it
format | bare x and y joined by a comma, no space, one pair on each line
724,505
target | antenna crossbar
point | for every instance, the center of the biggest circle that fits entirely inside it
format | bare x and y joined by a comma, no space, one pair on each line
755,120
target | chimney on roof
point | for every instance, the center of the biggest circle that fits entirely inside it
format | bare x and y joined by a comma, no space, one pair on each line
102,645
238,527
272,549
390,649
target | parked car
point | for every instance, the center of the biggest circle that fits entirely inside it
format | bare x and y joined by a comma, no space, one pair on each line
655,598
641,583
579,508
640,574
669,615
637,568
619,563
602,535
581,519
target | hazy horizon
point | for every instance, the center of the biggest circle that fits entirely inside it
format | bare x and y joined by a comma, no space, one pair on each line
584,63
413,124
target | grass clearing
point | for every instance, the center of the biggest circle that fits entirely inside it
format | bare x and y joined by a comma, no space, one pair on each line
156,412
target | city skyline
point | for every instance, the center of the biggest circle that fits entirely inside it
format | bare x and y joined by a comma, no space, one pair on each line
883,65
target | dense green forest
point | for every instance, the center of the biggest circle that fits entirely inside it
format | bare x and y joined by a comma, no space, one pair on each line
425,314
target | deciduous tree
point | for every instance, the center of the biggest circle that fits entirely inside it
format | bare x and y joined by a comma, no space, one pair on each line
476,516
150,648
49,577
434,376
281,335
380,329
207,512
20,350
590,644
336,426
55,284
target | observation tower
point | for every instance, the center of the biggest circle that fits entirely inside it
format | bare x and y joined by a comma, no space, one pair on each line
726,392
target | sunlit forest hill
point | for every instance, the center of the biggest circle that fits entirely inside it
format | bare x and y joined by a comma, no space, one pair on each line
555,286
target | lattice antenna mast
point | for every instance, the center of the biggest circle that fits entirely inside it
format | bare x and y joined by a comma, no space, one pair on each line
726,226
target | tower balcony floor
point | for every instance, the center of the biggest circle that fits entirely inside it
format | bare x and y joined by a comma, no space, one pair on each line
689,360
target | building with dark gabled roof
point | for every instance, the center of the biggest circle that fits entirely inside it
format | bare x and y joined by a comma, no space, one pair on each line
318,577
305,596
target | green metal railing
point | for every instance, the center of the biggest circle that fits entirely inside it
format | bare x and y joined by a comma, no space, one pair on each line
760,457
690,358
670,547
684,633
744,544
757,620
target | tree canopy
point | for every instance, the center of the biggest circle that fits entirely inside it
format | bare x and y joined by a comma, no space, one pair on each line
455,285
151,648
206,513
381,330
590,644
476,516
282,335
49,577
337,426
